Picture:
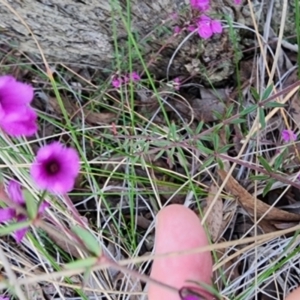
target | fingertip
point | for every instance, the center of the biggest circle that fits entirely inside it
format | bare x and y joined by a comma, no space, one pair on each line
295,295
177,229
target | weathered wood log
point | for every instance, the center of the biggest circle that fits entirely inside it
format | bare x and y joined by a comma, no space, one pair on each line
82,31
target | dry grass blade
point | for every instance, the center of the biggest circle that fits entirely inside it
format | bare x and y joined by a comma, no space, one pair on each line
215,218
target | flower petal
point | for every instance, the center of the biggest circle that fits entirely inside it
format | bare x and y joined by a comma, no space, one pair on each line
15,192
17,125
43,207
7,214
65,162
288,135
19,234
205,31
14,93
204,27
216,26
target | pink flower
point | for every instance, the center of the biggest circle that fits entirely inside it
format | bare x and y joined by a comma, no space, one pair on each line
126,79
288,135
55,168
216,26
17,117
191,28
135,76
116,82
174,16
237,2
176,83
202,5
207,27
4,298
7,214
177,29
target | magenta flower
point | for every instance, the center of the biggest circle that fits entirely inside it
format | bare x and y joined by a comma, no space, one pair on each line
17,117
207,27
4,298
177,29
135,76
288,135
176,83
237,2
7,214
55,168
116,82
202,5
216,26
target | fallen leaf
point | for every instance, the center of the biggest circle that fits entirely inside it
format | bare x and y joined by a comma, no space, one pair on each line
212,101
248,202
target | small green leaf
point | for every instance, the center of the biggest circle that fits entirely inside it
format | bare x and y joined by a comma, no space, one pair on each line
279,160
220,163
13,227
216,142
267,92
255,94
217,115
89,240
237,121
248,110
205,138
207,162
224,149
262,119
259,177
31,205
274,104
265,164
217,127
268,187
199,127
82,263
202,148
159,154
229,111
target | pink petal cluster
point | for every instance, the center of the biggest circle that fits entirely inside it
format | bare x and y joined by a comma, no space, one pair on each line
55,168
117,81
7,214
237,2
288,135
17,117
207,27
202,5
176,83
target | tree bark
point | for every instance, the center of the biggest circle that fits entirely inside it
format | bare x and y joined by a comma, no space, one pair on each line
82,31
